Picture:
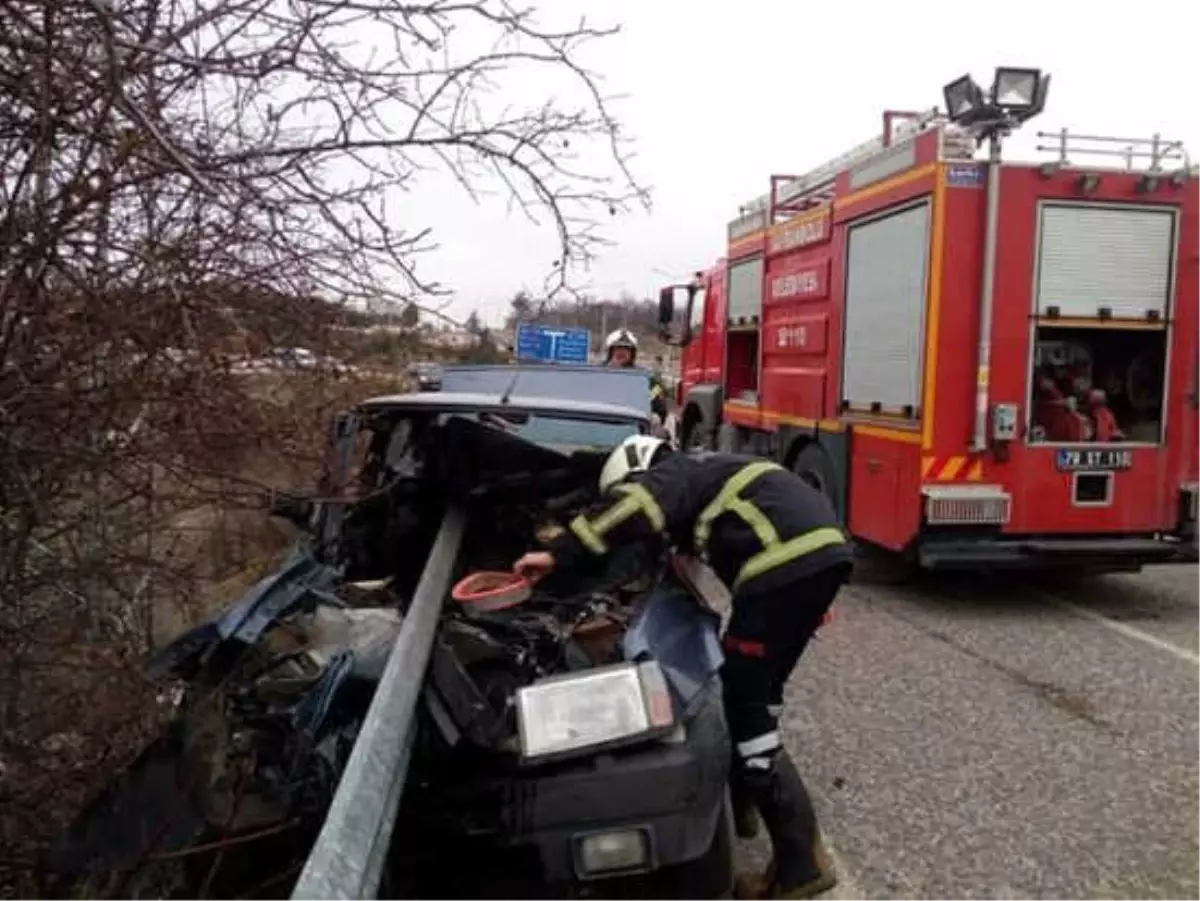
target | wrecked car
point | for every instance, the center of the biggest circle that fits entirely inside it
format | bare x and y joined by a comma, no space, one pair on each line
571,742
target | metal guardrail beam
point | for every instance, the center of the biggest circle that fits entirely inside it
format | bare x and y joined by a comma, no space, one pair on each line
347,858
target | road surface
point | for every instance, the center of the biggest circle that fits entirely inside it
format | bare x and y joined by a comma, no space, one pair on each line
1006,738
1002,738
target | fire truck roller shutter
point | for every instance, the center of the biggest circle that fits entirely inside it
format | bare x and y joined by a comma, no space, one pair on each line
1092,257
886,276
745,291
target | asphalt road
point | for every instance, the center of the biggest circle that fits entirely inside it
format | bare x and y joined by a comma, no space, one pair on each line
1004,738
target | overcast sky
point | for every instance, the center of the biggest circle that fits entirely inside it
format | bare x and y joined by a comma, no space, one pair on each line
722,95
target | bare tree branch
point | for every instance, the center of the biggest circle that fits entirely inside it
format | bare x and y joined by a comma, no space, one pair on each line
184,186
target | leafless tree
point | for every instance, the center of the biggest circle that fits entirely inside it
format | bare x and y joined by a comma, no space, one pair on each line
187,183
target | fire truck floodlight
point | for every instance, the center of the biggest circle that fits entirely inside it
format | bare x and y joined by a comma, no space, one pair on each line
1020,92
1015,90
1016,96
963,98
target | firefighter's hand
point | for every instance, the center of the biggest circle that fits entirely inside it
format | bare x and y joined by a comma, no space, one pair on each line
535,565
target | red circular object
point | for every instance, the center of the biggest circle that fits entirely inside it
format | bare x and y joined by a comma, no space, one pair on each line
491,590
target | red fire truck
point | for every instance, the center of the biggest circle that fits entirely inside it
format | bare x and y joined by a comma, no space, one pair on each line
983,363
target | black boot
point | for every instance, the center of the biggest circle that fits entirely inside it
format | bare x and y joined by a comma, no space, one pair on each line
800,867
745,817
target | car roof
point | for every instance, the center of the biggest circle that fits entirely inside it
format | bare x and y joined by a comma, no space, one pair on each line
560,384
470,401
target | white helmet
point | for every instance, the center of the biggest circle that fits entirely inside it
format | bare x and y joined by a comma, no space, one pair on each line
622,337
631,455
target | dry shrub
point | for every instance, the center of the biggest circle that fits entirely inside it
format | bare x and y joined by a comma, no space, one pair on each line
185,186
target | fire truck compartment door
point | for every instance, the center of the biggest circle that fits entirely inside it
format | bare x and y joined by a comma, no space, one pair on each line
886,273
1092,257
745,290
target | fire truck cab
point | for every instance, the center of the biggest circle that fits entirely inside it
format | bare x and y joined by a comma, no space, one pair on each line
983,363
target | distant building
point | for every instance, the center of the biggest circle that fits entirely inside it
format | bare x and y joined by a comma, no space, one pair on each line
452,339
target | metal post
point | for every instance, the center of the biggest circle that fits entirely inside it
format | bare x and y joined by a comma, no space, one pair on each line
348,857
986,294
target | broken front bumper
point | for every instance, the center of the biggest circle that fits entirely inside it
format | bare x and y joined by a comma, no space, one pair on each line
525,828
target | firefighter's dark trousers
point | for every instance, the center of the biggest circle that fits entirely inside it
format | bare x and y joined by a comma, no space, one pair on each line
763,643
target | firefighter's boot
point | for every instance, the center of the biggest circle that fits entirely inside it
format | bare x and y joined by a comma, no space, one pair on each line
800,866
745,817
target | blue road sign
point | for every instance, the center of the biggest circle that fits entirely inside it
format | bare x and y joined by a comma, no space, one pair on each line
552,343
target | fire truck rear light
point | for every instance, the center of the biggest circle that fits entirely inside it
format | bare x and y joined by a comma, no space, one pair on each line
966,505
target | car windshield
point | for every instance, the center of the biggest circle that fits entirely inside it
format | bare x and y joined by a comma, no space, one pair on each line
559,433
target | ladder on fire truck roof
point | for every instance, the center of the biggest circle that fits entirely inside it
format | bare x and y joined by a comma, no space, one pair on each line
800,191
796,193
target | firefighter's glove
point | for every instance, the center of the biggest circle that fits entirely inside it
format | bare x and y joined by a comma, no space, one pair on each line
535,565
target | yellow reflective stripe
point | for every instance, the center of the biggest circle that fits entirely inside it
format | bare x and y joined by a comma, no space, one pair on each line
780,554
756,520
636,500
646,501
615,515
582,529
728,494
656,390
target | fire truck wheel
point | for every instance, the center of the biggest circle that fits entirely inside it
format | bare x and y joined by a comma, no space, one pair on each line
696,437
728,440
815,468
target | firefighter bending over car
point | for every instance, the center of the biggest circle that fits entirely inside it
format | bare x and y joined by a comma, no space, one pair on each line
775,543
620,352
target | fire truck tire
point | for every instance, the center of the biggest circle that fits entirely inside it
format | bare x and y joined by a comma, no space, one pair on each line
695,436
815,468
728,440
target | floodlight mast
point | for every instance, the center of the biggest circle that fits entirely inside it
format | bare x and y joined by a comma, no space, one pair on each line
1017,95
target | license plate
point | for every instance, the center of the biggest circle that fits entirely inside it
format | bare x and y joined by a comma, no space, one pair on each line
1071,460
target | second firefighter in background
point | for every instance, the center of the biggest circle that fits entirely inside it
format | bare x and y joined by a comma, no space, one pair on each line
620,352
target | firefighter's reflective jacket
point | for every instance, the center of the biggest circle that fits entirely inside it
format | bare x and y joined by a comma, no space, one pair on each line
755,523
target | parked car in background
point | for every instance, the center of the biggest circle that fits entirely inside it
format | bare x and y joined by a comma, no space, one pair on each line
427,375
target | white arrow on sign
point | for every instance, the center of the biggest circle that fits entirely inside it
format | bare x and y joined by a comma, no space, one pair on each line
553,336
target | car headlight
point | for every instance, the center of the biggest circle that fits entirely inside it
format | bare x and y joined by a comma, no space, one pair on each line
567,714
611,852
